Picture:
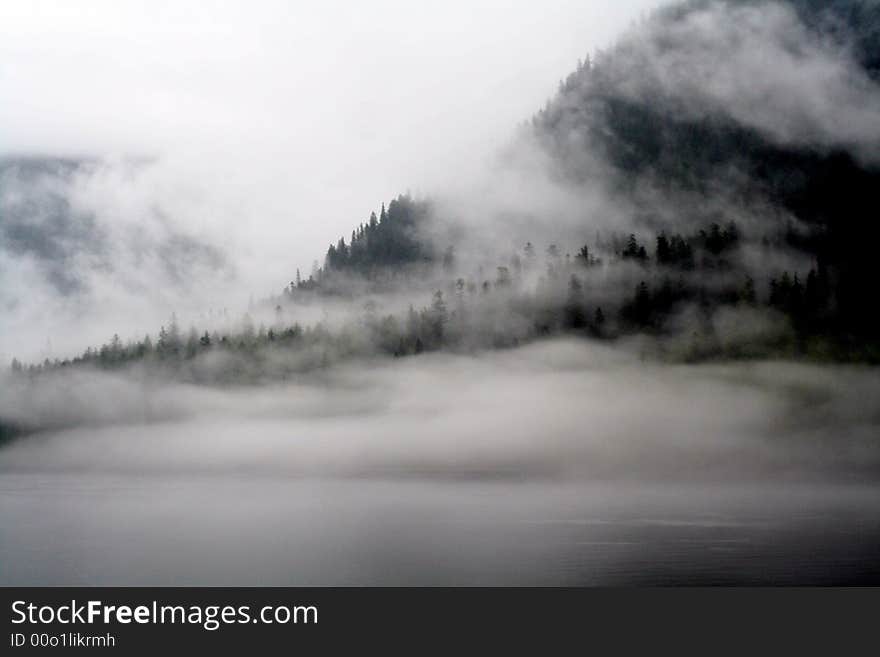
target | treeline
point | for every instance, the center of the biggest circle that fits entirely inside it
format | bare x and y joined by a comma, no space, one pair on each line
388,241
175,351
566,295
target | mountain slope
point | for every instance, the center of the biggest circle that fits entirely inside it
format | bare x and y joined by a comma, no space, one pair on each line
744,138
775,106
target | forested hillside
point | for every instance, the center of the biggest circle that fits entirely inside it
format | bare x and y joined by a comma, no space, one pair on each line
387,243
639,108
754,231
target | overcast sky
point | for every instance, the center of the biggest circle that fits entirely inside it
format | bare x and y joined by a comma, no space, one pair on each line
331,106
276,126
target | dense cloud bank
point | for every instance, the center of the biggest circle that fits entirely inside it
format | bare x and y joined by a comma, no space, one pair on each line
790,70
86,244
554,409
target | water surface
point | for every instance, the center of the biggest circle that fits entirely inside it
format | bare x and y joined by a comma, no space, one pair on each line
87,529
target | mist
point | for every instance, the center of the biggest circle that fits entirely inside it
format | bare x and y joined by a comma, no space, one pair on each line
556,410
187,200
627,338
558,463
264,136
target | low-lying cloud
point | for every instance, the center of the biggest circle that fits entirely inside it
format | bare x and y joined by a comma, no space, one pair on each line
554,409
760,65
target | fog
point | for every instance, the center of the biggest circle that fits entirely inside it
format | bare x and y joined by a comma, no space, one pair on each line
264,130
550,410
225,151
185,160
558,463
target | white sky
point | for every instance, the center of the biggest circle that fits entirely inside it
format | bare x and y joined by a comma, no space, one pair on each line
279,125
338,104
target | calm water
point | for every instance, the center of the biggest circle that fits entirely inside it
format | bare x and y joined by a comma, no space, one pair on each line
488,469
64,528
